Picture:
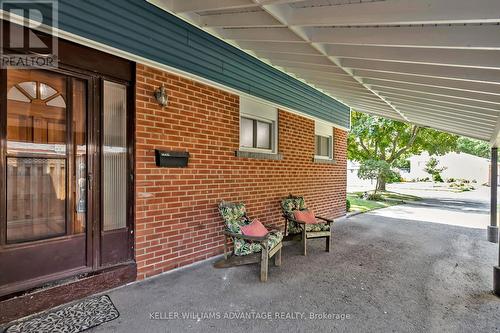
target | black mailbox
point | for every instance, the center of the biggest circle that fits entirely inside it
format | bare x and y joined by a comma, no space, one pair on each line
171,159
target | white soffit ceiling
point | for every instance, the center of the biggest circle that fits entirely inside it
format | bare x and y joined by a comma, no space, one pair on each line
434,63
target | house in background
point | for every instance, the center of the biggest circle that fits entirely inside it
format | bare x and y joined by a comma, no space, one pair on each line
458,166
354,183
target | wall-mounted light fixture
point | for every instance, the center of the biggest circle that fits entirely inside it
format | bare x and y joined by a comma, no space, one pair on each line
161,95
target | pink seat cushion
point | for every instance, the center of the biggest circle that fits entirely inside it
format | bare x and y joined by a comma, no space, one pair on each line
305,216
255,229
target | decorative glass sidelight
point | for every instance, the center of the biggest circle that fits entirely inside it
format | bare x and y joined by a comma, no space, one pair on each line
115,156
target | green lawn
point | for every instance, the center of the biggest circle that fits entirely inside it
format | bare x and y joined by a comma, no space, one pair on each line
388,199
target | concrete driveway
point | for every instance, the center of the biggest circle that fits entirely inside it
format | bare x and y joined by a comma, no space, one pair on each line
465,209
423,267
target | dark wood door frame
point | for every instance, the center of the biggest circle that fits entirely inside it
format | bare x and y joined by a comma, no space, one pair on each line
94,66
3,152
47,243
95,191
114,237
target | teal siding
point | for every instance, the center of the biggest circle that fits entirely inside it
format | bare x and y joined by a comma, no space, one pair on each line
140,28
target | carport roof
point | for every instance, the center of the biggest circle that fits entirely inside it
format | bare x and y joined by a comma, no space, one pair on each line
434,63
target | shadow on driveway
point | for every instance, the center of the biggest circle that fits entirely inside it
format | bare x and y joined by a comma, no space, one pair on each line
451,204
387,274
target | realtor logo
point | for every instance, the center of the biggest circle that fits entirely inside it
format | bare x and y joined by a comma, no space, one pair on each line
20,46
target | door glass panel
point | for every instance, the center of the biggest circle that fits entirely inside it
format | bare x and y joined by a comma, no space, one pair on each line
46,176
57,101
36,194
46,91
28,88
16,95
36,157
115,156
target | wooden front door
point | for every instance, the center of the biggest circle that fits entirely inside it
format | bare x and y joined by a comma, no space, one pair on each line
45,229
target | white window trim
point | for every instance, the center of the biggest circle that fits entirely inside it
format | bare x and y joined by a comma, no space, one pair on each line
274,129
264,113
330,152
325,130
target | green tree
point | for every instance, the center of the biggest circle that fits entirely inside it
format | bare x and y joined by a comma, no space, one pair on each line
382,139
375,169
431,167
473,147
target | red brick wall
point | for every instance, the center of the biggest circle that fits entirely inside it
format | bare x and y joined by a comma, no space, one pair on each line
177,222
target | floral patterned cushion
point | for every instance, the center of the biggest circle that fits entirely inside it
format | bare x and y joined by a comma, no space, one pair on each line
234,216
291,204
243,247
318,227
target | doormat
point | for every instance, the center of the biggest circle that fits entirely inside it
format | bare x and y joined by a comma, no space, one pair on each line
74,318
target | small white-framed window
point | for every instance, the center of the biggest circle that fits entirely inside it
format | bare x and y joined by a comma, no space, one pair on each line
258,126
323,141
256,134
324,146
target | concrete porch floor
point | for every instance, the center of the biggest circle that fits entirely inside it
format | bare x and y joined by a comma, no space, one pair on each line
386,274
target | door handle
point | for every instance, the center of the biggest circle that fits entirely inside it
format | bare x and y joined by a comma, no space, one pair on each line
81,206
90,179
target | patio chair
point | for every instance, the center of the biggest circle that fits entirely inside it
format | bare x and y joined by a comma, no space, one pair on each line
248,249
323,229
